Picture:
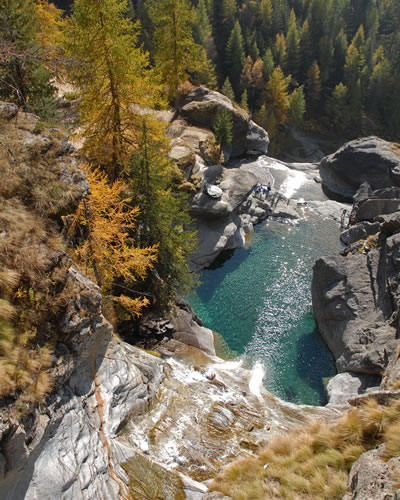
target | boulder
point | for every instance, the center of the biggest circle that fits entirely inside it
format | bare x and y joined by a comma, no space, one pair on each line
189,332
8,110
344,386
359,231
372,477
367,159
371,208
198,141
202,108
233,189
216,235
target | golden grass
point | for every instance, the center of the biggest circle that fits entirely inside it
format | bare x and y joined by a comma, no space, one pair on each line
33,270
313,462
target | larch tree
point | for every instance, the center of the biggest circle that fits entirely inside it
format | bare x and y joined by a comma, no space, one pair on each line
252,80
23,77
176,53
105,227
112,78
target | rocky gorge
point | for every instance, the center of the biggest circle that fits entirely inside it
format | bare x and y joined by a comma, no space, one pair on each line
126,423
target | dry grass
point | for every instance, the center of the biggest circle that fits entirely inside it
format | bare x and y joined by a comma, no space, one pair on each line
33,268
313,462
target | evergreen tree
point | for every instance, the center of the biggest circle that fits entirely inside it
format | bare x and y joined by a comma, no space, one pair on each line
269,64
313,89
293,47
202,30
223,128
244,100
266,13
337,119
380,99
227,90
297,107
339,57
325,58
235,57
306,50
164,214
175,51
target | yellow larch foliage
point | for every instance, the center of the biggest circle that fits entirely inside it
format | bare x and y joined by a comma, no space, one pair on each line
108,249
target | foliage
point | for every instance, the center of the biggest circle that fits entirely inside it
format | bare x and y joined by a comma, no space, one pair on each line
104,225
164,214
227,90
24,78
223,128
314,461
339,38
112,78
176,53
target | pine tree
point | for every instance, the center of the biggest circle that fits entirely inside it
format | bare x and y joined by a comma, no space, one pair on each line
235,57
293,47
297,107
244,100
227,90
339,57
313,89
306,51
163,219
266,14
269,64
111,77
202,30
337,118
325,58
223,128
175,51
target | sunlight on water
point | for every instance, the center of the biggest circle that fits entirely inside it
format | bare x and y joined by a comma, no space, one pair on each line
256,379
260,302
292,183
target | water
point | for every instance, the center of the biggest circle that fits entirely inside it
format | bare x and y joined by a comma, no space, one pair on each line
259,300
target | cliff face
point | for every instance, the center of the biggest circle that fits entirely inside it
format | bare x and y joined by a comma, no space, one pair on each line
356,296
